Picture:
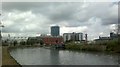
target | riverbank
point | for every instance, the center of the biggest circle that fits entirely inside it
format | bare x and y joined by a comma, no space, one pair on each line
112,46
0,56
7,59
94,48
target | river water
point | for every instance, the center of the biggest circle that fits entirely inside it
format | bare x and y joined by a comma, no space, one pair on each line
42,56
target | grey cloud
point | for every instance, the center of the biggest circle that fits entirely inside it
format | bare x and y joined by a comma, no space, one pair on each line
109,21
57,12
64,12
72,13
22,6
17,29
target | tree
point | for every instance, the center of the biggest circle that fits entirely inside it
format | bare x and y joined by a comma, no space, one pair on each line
41,42
15,43
22,43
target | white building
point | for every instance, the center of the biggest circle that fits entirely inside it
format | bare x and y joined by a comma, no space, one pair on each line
73,36
67,36
18,39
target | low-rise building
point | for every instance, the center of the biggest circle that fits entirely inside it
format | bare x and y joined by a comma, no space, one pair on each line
49,40
113,35
101,40
35,40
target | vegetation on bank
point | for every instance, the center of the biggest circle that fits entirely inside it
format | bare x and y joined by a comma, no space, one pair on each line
22,43
109,46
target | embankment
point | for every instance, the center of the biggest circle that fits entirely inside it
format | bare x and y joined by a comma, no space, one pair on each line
7,59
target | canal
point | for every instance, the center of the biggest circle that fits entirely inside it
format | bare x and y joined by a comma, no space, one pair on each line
43,56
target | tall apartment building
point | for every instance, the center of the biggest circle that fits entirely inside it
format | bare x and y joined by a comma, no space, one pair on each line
55,31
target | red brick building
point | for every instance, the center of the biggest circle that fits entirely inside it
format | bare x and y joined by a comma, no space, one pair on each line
52,40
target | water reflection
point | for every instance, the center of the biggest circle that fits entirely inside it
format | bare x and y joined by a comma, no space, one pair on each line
42,56
54,57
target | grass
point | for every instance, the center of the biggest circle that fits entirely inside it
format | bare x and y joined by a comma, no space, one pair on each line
7,59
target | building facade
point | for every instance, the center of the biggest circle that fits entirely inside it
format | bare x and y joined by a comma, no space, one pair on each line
106,39
73,36
52,40
113,35
55,31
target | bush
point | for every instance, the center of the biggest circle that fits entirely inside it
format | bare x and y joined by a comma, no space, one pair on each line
22,43
113,46
86,47
110,46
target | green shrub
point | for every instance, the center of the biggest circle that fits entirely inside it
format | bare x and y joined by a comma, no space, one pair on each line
113,46
110,46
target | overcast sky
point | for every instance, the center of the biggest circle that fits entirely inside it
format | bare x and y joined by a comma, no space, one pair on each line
32,18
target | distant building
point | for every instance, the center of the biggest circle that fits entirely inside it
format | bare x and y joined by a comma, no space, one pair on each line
103,39
67,36
55,31
52,40
112,36
86,38
35,40
19,39
73,36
